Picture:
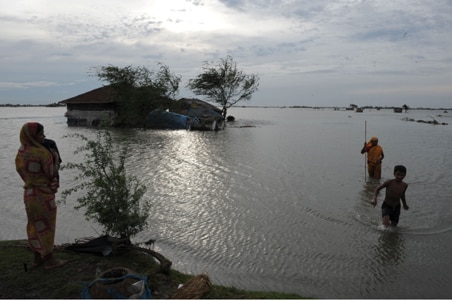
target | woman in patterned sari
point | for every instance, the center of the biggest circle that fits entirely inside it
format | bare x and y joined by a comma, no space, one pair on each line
38,167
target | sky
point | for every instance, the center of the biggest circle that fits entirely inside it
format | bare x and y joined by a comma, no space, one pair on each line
306,53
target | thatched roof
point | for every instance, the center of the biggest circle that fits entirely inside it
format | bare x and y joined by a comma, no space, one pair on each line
100,95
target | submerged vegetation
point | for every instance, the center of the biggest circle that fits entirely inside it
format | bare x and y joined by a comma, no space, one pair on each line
433,121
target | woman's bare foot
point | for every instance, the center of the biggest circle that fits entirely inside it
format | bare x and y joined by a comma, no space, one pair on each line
38,260
37,263
54,263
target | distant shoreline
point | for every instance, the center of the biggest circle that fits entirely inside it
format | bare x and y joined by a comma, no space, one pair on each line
32,105
263,106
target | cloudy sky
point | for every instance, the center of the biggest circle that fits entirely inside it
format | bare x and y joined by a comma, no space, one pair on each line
314,53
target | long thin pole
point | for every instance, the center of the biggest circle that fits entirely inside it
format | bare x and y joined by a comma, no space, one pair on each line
365,156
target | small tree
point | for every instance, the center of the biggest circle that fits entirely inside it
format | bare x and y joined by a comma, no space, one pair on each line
113,198
162,82
406,107
139,90
224,84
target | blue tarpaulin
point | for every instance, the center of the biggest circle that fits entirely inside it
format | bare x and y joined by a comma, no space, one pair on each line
160,119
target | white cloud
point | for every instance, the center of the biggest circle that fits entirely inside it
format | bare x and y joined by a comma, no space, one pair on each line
374,51
24,85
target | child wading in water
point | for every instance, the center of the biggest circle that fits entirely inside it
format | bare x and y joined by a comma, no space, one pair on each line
395,191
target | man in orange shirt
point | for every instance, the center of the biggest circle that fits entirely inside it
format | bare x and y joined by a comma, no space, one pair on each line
375,156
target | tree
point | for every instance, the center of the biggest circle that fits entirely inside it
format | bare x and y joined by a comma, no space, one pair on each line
406,107
139,90
113,198
224,83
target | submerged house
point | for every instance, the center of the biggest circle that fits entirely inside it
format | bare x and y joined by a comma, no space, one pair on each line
89,108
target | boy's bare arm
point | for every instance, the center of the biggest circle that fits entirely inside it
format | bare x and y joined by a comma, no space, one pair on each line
377,191
405,206
374,198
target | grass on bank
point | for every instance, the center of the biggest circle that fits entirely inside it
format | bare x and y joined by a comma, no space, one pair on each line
19,279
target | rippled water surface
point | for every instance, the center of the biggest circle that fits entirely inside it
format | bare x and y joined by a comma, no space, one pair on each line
277,201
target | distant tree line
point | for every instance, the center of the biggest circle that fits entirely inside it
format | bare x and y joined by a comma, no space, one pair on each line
31,105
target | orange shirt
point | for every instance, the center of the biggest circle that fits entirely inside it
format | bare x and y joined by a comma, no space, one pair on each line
373,153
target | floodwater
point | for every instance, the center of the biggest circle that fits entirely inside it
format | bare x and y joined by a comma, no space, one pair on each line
277,201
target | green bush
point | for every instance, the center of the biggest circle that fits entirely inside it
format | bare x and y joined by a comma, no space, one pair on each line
113,199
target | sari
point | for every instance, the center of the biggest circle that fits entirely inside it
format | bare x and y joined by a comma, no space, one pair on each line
36,166
374,156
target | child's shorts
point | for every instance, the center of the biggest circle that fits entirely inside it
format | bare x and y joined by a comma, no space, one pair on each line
392,212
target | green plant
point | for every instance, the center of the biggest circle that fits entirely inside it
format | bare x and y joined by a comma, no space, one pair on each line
224,83
113,199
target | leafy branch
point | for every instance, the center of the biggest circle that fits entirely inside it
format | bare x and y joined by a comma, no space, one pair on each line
113,198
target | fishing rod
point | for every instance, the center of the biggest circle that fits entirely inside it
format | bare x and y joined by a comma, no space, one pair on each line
365,156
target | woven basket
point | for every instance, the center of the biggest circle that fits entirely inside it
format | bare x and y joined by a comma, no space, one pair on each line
195,288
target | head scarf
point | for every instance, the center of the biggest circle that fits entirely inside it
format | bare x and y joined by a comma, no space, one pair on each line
29,134
34,162
373,139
